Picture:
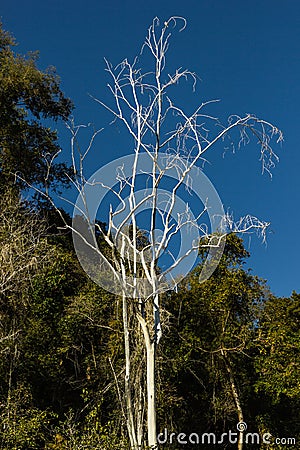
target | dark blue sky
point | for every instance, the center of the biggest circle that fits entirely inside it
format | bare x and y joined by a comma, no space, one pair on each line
246,53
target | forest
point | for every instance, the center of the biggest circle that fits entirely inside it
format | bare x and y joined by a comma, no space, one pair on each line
229,353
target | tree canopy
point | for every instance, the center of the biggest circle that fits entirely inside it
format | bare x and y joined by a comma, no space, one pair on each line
29,100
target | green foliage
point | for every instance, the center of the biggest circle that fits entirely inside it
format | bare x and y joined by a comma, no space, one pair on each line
277,365
278,362
23,427
28,97
62,346
87,435
212,330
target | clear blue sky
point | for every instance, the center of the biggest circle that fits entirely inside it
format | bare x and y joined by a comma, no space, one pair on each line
246,53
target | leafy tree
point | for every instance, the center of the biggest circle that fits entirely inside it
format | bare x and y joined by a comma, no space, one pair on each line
63,338
279,343
29,98
23,426
23,251
210,343
278,366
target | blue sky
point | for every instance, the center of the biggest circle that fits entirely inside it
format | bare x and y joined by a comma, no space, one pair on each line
246,53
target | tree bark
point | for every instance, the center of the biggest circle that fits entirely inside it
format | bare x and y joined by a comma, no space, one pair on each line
151,408
236,398
152,437
129,408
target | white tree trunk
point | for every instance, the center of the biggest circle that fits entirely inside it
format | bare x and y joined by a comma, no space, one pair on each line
151,408
151,416
129,408
236,399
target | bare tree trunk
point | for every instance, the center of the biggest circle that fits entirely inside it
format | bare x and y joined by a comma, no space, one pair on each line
152,436
236,399
140,413
151,409
130,417
140,383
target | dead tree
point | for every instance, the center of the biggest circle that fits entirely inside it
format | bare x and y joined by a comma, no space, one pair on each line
156,189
